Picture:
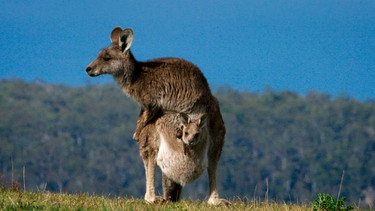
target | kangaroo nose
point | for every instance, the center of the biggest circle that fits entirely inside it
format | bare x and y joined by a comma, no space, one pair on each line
88,68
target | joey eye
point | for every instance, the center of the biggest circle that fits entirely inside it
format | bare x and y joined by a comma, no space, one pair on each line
186,133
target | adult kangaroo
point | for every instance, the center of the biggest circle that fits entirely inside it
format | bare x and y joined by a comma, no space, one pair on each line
163,85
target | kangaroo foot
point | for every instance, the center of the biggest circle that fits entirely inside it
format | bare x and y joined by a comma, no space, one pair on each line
155,200
218,201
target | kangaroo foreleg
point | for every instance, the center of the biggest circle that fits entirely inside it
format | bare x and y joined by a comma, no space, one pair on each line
145,117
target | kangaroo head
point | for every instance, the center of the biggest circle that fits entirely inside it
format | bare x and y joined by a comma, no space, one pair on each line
113,59
192,128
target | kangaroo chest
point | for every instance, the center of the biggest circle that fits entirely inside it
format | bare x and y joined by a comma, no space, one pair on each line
182,167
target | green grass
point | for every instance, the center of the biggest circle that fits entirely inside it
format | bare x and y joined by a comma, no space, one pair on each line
329,203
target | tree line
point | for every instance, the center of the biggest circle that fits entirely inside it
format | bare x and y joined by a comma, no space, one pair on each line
279,145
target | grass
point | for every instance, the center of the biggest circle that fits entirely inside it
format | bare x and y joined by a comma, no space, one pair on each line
17,200
328,202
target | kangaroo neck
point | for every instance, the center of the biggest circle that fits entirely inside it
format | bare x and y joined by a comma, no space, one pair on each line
130,72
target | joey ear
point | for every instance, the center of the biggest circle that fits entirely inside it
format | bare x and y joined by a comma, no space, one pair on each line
185,119
115,35
203,120
126,39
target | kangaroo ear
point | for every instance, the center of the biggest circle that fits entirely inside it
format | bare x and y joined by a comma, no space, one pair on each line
115,35
185,119
126,39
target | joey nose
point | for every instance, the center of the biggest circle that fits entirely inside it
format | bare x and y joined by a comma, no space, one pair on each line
88,69
191,141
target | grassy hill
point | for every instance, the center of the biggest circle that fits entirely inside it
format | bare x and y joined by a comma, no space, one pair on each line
279,146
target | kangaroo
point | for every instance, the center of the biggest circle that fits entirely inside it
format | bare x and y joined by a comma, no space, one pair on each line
159,85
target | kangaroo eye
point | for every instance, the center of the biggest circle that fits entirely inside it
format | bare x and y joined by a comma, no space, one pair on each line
106,58
186,133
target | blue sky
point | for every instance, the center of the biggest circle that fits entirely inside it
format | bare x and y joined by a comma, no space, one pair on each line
321,45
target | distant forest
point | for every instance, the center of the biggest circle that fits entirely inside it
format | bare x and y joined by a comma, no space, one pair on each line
279,145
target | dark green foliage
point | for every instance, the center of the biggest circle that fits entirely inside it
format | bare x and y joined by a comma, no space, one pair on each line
79,140
326,202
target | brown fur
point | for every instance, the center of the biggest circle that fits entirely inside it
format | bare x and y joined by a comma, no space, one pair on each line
160,85
182,160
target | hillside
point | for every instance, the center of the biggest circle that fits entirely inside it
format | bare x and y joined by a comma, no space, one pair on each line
279,145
